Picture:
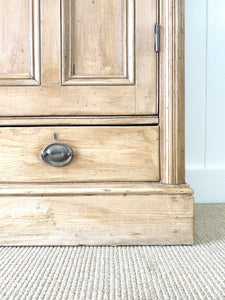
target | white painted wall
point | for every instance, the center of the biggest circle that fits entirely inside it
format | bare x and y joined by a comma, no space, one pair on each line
205,99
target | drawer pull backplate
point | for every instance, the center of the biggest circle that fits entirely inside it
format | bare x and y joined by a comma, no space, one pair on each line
57,154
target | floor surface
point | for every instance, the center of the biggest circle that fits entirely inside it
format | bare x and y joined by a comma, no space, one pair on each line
131,273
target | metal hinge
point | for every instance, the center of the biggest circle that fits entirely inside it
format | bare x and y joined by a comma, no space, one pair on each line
157,38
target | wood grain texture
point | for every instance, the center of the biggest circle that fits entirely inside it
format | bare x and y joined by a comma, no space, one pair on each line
79,120
133,92
172,87
50,51
100,154
100,188
67,100
96,220
104,196
19,42
146,58
98,45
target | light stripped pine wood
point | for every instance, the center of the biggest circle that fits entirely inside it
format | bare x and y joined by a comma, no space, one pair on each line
172,95
100,154
179,92
67,101
146,58
94,49
96,220
19,42
108,213
53,99
50,52
79,120
109,188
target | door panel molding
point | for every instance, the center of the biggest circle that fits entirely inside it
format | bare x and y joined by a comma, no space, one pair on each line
98,46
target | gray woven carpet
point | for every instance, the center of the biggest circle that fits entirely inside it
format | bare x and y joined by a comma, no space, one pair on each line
170,272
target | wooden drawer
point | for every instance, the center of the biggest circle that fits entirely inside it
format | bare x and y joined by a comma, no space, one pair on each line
101,153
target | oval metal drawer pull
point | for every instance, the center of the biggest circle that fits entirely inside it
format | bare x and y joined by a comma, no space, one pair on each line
57,154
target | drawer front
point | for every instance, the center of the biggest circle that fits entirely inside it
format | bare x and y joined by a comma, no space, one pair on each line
101,153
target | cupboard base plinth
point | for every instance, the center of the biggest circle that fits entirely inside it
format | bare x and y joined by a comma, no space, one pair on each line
108,217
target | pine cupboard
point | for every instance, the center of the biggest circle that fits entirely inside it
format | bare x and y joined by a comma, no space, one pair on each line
92,123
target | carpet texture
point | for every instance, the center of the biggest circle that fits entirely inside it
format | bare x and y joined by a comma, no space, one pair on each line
150,272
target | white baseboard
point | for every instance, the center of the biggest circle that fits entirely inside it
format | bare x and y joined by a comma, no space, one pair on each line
208,184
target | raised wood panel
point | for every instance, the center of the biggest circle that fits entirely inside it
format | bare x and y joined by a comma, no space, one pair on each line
50,54
98,42
96,220
129,153
19,42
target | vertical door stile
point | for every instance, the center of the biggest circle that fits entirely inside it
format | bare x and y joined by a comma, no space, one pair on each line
146,60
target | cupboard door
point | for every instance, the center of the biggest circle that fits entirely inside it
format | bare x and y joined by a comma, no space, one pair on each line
97,57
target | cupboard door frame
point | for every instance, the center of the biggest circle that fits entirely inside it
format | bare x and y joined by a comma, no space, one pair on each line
112,99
